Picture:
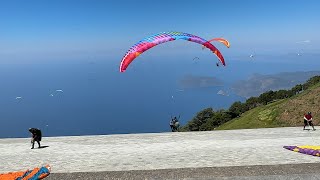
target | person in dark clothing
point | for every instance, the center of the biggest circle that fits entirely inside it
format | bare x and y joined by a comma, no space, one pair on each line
36,136
175,122
172,124
307,119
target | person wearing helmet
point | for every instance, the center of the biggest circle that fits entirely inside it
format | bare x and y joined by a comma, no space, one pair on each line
307,119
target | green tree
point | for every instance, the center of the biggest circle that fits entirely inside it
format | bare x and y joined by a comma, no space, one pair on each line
297,89
266,97
252,102
201,118
312,81
216,120
282,94
237,108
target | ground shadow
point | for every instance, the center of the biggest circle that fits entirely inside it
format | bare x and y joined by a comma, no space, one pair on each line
43,147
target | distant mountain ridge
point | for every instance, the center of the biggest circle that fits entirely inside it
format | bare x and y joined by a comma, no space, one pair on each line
258,83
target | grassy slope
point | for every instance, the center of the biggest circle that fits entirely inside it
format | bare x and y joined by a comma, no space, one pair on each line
286,112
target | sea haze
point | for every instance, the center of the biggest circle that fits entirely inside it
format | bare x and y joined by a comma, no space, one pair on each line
97,99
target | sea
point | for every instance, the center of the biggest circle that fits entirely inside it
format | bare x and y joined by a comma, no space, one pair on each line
89,96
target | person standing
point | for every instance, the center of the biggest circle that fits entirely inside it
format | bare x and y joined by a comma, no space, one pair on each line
176,123
307,119
172,124
36,136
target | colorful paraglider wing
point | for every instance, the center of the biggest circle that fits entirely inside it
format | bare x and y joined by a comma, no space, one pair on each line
310,150
222,40
163,37
35,174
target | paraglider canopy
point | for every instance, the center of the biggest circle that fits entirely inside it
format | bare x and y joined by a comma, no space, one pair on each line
163,37
195,58
222,40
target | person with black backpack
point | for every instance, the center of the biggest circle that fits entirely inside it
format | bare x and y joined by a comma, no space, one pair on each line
176,124
36,136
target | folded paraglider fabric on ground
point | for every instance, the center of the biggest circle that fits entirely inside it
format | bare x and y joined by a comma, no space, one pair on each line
310,150
34,174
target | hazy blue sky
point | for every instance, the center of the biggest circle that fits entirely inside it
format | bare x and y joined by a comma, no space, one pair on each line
78,28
